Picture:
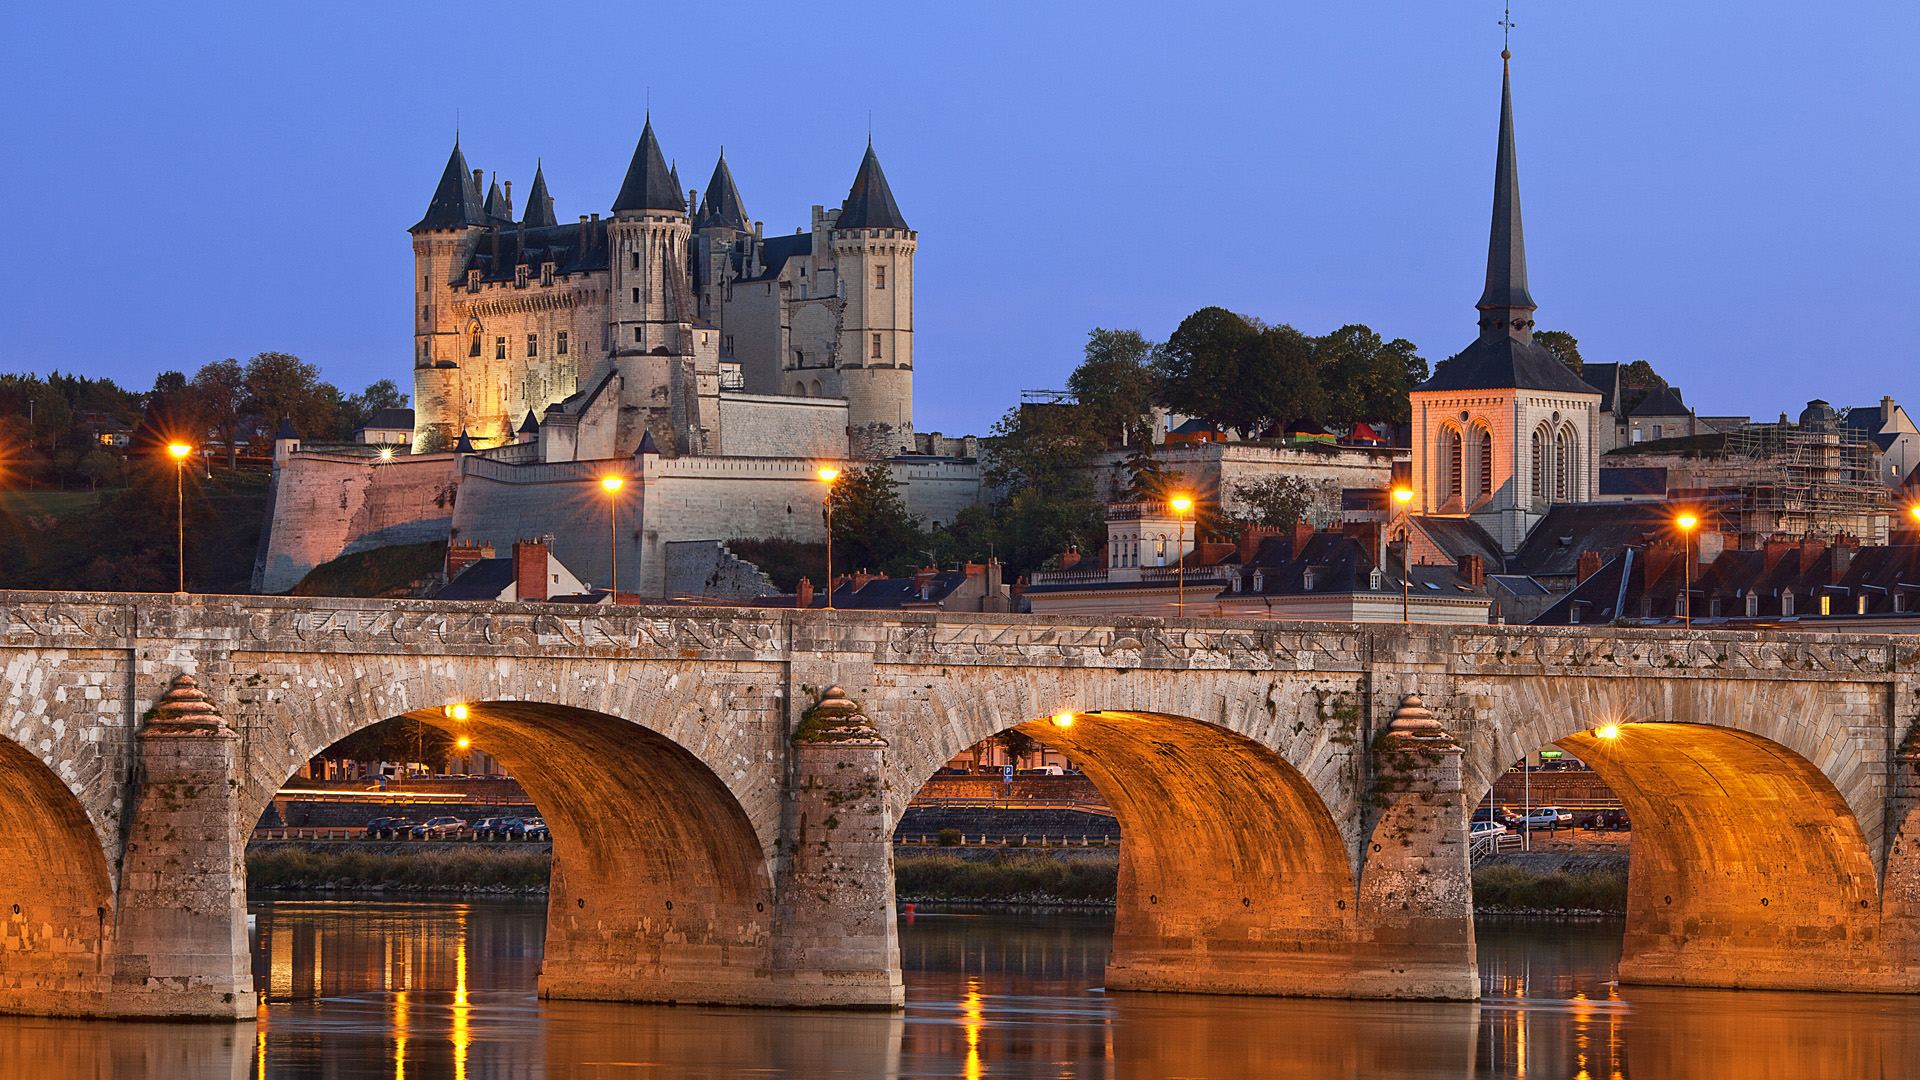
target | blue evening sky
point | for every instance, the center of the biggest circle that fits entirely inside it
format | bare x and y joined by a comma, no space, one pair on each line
1724,189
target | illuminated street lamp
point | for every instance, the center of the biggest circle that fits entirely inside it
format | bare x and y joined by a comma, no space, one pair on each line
1686,523
180,451
613,484
1181,504
828,475
1064,720
1403,496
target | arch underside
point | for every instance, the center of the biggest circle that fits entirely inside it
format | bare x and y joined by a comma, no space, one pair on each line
1748,867
56,895
661,889
1234,877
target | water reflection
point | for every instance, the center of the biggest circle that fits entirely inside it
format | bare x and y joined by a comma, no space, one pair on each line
421,991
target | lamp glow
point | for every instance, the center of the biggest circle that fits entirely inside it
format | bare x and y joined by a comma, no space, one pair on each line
612,483
386,453
457,712
1686,521
828,476
1065,719
1611,731
1915,511
465,742
1403,496
179,450
1181,504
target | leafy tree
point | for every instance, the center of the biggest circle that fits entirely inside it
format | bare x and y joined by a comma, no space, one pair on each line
1202,369
1365,378
283,385
220,390
1017,744
400,739
871,526
1281,501
1037,463
1115,385
354,410
1281,380
1638,380
1564,346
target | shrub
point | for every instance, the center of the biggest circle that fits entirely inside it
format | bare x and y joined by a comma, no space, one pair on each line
948,837
946,877
1514,887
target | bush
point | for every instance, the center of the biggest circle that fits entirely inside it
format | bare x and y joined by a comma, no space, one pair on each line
949,837
469,866
945,877
1516,887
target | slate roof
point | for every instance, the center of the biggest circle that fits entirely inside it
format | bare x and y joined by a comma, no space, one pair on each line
721,207
1621,588
502,250
286,429
649,184
1340,564
1462,536
1604,378
389,420
539,212
1555,545
455,204
496,207
1506,248
482,579
1502,363
776,250
529,426
870,202
1662,402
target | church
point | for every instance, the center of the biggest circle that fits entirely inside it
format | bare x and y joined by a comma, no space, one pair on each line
672,316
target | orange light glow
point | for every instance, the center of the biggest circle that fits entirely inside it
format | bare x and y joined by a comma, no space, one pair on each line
1065,719
456,712
828,476
612,483
1686,521
465,742
1611,731
1181,504
1402,496
179,450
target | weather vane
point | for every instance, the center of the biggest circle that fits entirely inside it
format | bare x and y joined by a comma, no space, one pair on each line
1506,29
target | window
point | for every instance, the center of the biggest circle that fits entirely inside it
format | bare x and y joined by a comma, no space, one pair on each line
799,358
425,285
1563,466
1485,464
876,346
560,343
637,335
546,273
474,348
1860,604
636,260
1454,463
1899,602
1786,601
803,272
500,347
533,345
1753,604
1826,604
520,276
879,277
636,294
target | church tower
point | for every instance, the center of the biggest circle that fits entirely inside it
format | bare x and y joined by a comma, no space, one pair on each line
1503,430
443,241
873,250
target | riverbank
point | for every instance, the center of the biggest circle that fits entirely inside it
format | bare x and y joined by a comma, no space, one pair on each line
1021,879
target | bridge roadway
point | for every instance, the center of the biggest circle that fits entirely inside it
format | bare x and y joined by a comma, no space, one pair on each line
722,836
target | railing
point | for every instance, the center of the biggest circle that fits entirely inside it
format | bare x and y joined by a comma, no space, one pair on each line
1194,573
1011,804
1045,840
1068,577
359,832
402,797
1490,845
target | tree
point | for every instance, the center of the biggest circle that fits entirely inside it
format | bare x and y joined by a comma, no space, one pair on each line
1202,369
1365,378
280,385
1281,501
402,738
1281,380
354,410
871,526
220,389
1115,385
1564,346
1017,744
1637,381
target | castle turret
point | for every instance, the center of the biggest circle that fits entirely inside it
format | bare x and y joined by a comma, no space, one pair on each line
443,244
873,249
539,212
648,237
722,236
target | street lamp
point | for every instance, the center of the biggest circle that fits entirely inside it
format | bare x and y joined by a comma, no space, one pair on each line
1403,496
828,475
180,452
1181,504
613,484
1686,523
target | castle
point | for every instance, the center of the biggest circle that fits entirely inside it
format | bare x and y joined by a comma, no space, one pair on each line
670,343
672,316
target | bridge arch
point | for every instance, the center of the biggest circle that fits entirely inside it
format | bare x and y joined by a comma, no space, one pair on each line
56,890
662,884
1752,862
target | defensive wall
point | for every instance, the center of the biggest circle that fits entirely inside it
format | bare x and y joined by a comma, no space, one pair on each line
1295,816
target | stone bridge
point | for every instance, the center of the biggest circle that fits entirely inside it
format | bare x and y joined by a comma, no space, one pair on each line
721,834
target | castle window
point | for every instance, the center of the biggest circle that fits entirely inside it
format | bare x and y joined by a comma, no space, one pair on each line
803,271
500,347
879,277
636,294
533,344
876,346
560,344
637,335
546,273
636,260
425,285
520,276
799,358
473,349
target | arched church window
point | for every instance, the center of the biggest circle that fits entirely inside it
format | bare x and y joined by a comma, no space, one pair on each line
1484,466
1455,463
473,348
1542,485
1564,473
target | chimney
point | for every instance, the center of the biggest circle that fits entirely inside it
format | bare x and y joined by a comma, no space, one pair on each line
1776,549
1250,537
1589,565
922,578
1211,552
1473,569
1810,550
1842,559
1659,557
1708,546
530,569
1302,532
1069,558
972,568
509,194
462,555
803,594
479,189
1886,410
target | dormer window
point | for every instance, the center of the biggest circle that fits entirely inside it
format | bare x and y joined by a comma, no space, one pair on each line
1236,582
1259,580
1753,605
1786,601
1306,581
520,276
1376,579
546,273
1826,604
473,281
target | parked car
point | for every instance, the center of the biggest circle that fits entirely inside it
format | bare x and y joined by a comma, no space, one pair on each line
536,829
439,828
388,828
1499,816
1607,819
500,828
1544,817
1479,830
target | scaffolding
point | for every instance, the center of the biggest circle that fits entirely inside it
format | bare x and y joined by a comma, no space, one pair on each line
1815,481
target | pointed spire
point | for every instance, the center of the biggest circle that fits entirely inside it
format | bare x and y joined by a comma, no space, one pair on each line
870,203
721,206
539,204
1506,293
465,445
497,203
529,426
455,204
649,184
647,445
673,177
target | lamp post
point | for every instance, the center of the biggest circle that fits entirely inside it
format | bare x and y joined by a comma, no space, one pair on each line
1181,504
827,476
180,452
613,484
1686,523
1403,496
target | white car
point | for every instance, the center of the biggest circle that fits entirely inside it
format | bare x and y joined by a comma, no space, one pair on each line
1545,817
1482,829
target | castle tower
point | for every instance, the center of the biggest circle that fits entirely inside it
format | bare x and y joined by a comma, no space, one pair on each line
873,249
539,211
652,300
443,240
1504,430
721,234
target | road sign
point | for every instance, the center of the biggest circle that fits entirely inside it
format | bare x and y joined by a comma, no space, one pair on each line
1006,774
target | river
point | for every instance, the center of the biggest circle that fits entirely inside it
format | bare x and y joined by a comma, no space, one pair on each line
426,990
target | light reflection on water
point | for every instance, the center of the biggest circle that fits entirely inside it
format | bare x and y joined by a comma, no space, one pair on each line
430,990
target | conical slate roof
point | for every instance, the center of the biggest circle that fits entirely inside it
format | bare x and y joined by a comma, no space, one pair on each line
1506,250
870,204
539,210
673,177
1504,363
497,203
465,445
722,206
529,426
286,429
649,184
455,204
